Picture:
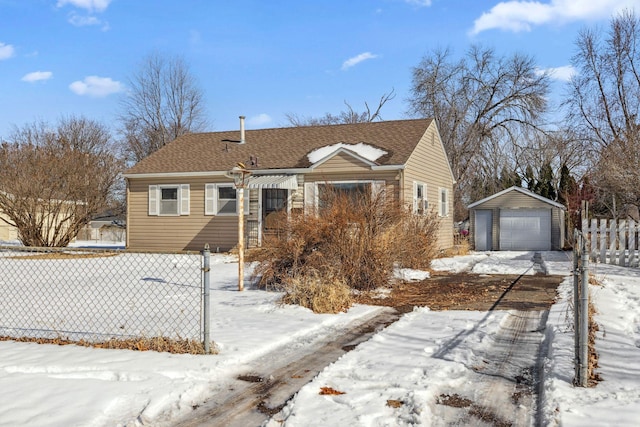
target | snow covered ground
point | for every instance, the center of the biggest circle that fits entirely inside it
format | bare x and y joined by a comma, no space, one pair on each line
46,385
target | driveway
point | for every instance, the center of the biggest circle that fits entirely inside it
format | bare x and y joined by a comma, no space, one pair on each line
495,358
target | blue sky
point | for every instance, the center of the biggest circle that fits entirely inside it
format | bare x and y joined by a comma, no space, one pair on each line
263,59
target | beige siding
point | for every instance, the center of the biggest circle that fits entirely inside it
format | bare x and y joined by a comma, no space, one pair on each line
185,232
342,162
517,200
429,164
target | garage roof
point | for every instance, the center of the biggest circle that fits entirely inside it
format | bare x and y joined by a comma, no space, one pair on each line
521,190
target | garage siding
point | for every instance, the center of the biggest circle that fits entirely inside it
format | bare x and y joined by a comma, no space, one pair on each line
517,200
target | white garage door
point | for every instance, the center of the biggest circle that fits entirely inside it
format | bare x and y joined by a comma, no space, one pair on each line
525,229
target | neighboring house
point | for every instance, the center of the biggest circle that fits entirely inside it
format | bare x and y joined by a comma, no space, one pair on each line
7,232
105,227
180,197
517,219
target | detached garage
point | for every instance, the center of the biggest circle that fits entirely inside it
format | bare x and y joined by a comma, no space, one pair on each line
516,219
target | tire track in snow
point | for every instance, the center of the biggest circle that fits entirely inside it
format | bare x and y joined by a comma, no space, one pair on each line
501,389
274,379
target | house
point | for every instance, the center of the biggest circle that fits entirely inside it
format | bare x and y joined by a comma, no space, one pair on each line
181,197
105,227
7,232
517,219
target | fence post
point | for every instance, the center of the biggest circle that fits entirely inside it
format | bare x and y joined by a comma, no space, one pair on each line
206,284
584,319
577,241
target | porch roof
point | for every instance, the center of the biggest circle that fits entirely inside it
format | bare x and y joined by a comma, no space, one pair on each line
288,182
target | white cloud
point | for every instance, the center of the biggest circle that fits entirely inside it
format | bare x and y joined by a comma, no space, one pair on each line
260,120
357,59
37,76
90,5
96,86
563,73
519,15
83,21
6,51
420,3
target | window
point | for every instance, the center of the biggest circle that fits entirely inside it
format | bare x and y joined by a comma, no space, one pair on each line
353,191
222,199
227,203
168,200
420,203
444,202
316,194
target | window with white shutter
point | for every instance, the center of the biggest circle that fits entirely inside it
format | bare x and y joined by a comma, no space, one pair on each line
169,200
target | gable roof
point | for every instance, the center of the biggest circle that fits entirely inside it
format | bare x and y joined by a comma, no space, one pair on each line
280,148
521,190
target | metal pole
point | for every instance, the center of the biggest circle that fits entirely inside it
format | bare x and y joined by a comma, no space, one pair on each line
207,311
576,303
584,318
241,238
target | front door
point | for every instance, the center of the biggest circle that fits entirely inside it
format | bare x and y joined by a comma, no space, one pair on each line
274,208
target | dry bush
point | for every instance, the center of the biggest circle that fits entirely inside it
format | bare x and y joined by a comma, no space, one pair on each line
461,247
318,293
351,241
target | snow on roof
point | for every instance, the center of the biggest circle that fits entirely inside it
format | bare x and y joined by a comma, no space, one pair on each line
363,150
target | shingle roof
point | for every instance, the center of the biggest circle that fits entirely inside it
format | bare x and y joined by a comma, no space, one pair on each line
280,148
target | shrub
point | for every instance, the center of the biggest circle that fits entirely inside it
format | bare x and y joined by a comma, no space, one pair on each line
318,293
352,242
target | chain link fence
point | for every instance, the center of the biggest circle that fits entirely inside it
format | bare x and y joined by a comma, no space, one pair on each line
97,295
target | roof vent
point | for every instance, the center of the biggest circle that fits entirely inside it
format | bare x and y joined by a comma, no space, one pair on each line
242,140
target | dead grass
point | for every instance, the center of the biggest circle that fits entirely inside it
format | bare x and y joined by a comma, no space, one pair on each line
318,294
593,377
462,248
65,255
159,344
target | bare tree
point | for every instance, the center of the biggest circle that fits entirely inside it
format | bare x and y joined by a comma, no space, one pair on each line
482,104
163,102
54,180
603,105
344,117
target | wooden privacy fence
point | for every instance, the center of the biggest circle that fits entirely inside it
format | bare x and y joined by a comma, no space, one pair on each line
613,242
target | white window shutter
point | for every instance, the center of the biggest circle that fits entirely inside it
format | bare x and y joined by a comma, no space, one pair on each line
443,202
425,200
378,188
210,199
309,197
446,204
247,197
153,200
415,197
184,199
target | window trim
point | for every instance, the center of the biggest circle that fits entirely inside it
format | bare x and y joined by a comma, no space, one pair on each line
416,200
